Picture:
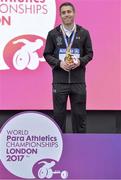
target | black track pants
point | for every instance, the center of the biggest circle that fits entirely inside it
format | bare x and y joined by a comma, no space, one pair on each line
77,95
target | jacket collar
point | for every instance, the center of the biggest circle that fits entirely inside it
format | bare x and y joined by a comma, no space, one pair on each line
58,28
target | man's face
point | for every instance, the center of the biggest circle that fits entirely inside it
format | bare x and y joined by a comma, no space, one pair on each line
67,15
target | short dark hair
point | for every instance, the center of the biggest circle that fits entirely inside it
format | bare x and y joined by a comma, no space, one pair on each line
67,4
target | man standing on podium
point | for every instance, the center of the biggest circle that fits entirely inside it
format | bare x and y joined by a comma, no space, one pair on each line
68,50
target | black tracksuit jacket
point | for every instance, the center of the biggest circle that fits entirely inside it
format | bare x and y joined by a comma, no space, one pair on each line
81,41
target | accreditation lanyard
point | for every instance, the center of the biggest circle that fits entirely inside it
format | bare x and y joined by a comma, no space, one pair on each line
68,45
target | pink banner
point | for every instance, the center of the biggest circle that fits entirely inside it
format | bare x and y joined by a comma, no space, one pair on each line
24,27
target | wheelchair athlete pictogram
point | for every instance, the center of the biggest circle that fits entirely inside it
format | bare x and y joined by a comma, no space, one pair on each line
26,56
45,170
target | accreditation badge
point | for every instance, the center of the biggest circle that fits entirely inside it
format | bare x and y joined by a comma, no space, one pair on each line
75,53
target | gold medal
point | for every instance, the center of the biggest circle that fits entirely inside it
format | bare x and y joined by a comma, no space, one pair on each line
68,57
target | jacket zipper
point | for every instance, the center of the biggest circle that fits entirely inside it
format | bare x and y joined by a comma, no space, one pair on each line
69,77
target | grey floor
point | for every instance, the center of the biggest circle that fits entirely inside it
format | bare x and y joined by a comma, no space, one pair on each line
97,121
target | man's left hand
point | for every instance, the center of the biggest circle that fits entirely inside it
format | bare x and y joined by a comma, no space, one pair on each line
76,64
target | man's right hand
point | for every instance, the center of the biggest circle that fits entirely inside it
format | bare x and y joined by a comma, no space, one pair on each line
65,66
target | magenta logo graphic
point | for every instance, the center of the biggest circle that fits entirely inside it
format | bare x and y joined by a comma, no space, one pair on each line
44,169
24,52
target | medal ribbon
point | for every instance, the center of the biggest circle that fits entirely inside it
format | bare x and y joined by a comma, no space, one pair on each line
68,45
